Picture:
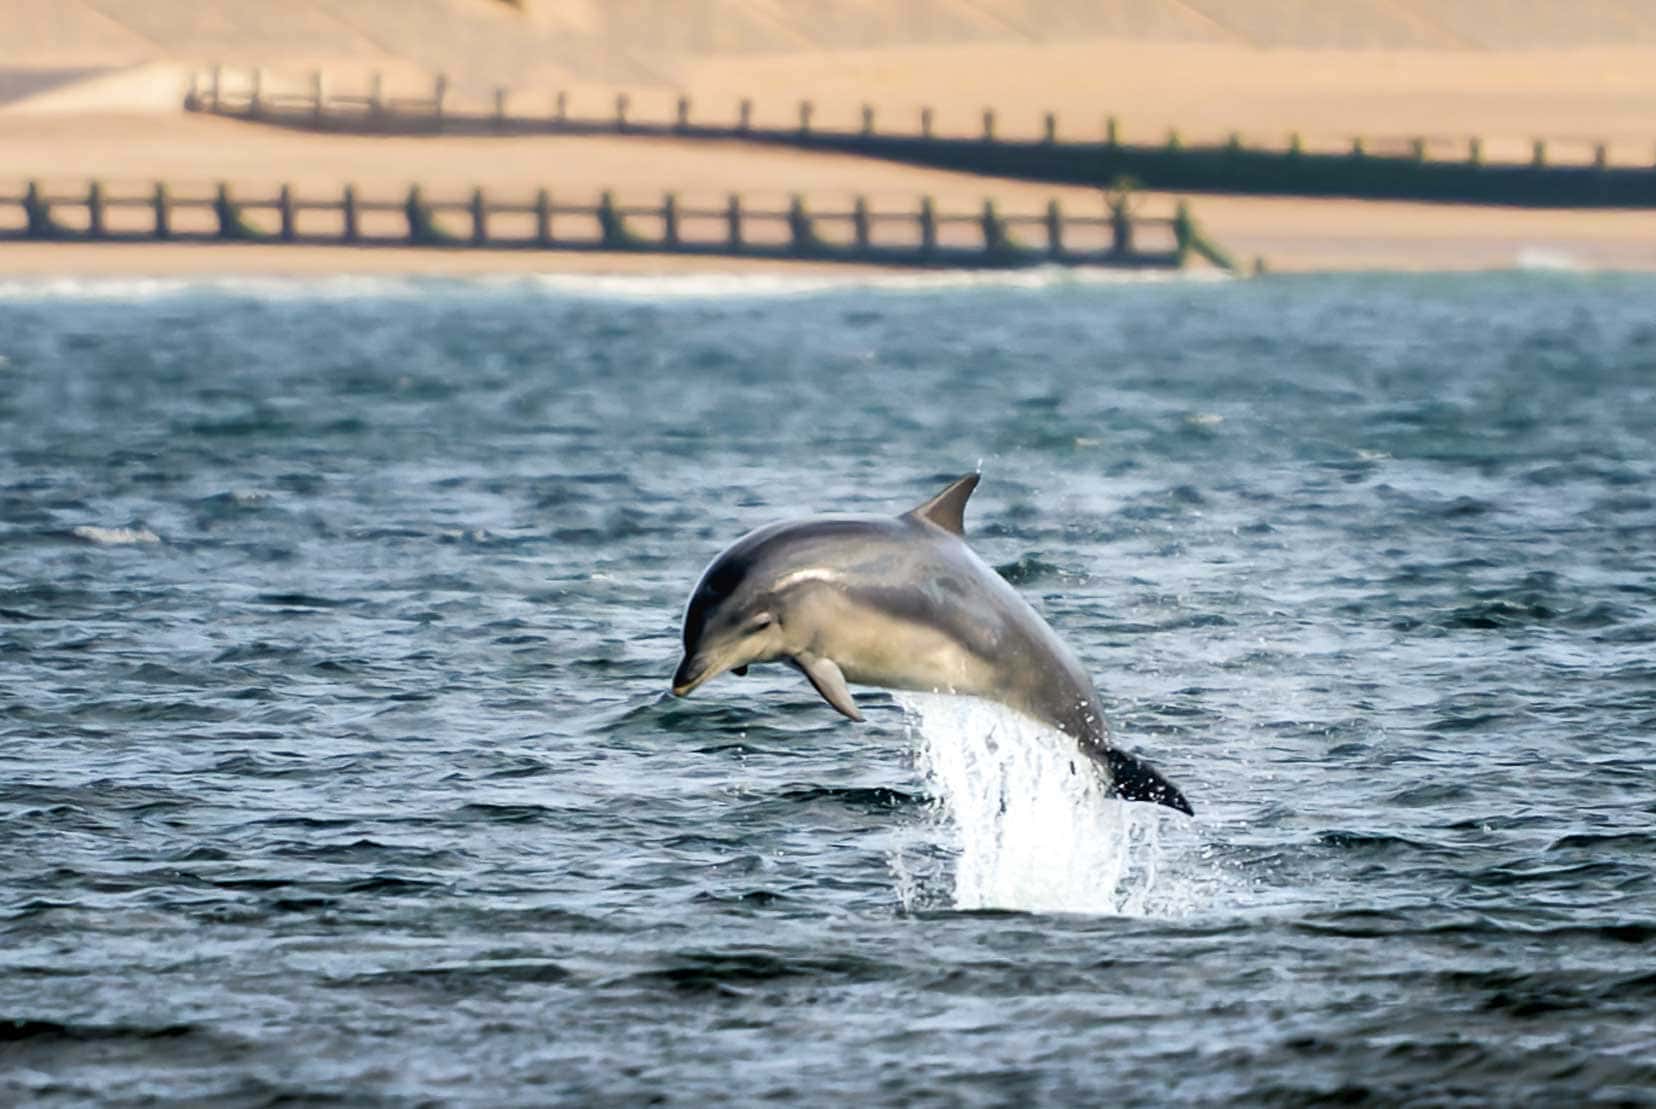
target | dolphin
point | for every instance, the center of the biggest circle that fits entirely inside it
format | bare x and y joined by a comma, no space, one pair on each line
899,602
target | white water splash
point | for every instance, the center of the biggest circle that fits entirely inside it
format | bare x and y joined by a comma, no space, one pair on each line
114,537
1031,828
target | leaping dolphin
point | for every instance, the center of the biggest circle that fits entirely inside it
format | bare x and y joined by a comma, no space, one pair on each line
900,602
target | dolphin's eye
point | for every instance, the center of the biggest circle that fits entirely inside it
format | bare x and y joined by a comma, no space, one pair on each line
759,623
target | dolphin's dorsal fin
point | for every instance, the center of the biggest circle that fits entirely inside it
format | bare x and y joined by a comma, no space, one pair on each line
948,509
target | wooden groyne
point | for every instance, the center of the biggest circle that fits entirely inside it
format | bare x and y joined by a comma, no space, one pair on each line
921,236
1365,170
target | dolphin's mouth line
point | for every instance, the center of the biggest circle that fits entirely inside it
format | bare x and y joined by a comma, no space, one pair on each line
684,685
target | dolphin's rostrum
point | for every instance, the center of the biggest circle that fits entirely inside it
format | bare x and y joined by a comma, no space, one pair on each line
900,602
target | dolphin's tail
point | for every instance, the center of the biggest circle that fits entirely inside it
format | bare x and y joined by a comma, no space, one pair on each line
1133,779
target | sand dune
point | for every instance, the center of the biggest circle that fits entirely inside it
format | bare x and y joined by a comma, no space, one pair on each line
1508,70
487,42
1206,90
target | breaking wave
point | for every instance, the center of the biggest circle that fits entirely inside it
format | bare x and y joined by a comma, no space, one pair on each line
650,287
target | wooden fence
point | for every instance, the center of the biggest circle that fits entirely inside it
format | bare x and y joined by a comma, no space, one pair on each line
1413,169
921,236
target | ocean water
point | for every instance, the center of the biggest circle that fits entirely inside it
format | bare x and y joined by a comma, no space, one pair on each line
337,763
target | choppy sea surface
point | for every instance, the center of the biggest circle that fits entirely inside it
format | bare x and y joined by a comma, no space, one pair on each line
337,763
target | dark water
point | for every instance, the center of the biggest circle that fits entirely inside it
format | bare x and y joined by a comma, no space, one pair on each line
336,762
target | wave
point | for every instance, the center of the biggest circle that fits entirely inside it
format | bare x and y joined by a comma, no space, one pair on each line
710,285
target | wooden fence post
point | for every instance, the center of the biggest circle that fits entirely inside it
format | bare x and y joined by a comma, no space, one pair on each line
376,95
284,203
439,93
352,230
500,109
733,219
1474,150
163,211
683,113
1051,128
422,225
1184,234
1121,225
994,231
230,224
1112,132
480,218
95,227
217,87
988,125
744,119
192,99
670,220
925,123
1601,157
1357,150
1054,229
801,236
805,110
1417,149
622,101
255,95
560,109
1538,153
37,212
317,98
611,226
860,224
1296,145
928,226
868,119
543,218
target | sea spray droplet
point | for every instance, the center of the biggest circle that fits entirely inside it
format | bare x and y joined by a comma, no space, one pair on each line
1031,825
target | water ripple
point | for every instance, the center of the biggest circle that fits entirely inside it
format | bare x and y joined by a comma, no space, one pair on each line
337,761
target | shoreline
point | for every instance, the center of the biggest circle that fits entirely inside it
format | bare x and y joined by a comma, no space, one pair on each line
25,263
51,260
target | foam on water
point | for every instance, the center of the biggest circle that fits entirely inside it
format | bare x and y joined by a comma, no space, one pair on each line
712,284
114,537
1030,824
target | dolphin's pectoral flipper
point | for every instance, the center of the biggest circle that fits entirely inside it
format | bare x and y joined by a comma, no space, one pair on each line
1133,779
829,682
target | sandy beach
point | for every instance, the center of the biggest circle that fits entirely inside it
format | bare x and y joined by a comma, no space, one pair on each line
100,99
192,153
